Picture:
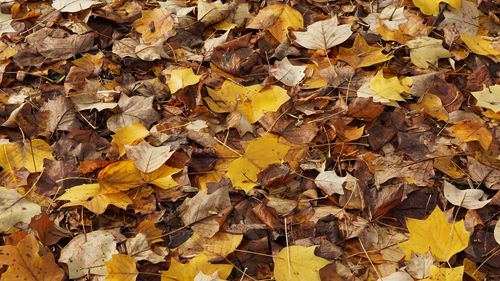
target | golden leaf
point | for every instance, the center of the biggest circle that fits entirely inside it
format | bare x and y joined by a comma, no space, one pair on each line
297,263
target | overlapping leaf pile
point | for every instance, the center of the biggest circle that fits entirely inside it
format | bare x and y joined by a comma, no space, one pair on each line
306,140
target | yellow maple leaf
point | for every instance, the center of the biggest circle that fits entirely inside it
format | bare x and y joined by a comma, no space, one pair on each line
479,45
121,268
445,274
431,7
469,130
426,51
92,63
130,135
154,25
389,88
92,197
297,263
361,54
284,17
489,97
260,153
219,246
123,175
432,106
251,101
188,271
437,235
25,262
181,78
29,154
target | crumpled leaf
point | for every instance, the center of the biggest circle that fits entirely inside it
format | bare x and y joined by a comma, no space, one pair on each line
288,73
181,78
25,262
260,153
188,271
437,235
445,274
14,208
488,97
87,252
323,35
467,198
425,51
147,157
134,109
139,249
121,268
361,54
431,7
298,263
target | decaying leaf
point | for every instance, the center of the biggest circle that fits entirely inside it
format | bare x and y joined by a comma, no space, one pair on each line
14,208
468,198
147,157
287,73
25,262
425,51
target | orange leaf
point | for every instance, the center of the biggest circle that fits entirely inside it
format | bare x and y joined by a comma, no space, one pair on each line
468,130
26,264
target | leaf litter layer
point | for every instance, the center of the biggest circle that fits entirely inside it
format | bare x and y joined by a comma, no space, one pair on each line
233,140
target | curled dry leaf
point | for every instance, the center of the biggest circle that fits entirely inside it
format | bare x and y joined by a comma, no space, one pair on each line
468,198
147,157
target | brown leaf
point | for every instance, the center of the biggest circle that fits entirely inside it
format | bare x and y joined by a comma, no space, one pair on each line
61,115
134,109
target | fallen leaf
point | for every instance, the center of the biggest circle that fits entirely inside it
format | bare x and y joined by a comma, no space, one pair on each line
134,109
390,88
445,274
488,97
467,198
213,12
73,6
91,63
25,263
181,78
397,276
297,263
139,249
121,268
437,235
14,208
129,135
147,157
87,252
464,19
479,45
155,25
94,198
284,18
468,130
330,183
496,232
431,7
196,211
188,271
287,73
419,265
361,54
251,101
61,115
218,246
260,152
425,51
203,277
323,35
431,105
